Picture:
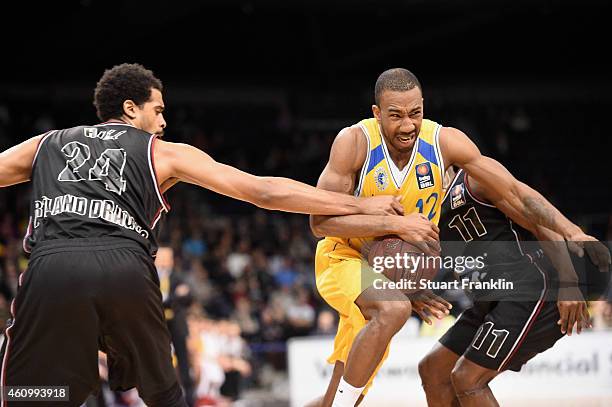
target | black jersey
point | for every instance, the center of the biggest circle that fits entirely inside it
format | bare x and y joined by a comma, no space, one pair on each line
471,227
95,182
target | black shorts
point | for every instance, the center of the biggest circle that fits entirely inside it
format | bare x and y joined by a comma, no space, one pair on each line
73,300
505,334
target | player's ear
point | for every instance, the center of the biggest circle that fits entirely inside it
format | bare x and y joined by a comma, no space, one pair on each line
129,108
376,112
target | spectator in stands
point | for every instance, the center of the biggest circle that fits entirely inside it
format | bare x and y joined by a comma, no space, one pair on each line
245,318
176,297
300,314
234,360
237,261
206,346
194,246
326,323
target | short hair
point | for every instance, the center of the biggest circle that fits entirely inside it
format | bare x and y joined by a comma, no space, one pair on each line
120,83
396,79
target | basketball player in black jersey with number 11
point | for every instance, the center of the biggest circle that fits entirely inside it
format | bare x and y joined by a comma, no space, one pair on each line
504,328
91,283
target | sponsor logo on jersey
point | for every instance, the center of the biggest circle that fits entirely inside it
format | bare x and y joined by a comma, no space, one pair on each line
424,175
457,196
110,134
381,179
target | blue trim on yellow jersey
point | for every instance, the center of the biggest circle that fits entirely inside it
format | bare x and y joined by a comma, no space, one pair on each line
428,151
376,156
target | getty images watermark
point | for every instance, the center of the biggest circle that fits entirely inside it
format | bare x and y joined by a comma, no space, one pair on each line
466,269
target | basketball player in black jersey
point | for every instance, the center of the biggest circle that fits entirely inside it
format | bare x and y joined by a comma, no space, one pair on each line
97,195
505,327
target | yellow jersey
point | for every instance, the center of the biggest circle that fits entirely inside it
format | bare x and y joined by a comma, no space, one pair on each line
419,183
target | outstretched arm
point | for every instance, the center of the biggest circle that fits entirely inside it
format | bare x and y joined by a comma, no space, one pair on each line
16,162
189,164
521,203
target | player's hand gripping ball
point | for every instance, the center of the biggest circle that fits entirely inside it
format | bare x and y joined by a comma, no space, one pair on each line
401,261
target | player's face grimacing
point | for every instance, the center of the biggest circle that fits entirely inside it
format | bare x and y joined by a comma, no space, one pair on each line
400,115
149,116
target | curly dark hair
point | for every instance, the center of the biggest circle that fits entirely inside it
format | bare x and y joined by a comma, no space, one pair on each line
396,79
120,83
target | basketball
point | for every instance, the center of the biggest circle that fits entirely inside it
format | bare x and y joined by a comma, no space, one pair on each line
401,261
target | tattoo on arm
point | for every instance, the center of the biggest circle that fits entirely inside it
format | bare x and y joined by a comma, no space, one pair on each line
537,210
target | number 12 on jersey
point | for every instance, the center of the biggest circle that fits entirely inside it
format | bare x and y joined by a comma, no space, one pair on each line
432,209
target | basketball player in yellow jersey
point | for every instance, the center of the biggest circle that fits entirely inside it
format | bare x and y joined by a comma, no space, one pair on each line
398,152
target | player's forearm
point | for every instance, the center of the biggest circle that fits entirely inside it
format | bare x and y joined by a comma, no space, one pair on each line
16,163
7,178
189,164
352,225
555,249
292,196
542,214
520,202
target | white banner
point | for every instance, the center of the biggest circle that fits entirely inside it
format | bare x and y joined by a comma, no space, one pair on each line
577,371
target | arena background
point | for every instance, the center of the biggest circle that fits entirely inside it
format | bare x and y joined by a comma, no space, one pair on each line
265,86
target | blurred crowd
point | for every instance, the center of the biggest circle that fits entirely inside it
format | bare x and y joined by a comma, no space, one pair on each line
237,281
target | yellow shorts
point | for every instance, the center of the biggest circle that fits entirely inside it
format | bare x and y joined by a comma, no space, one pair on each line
341,276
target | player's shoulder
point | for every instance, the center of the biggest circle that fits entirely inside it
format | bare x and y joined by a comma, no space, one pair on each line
446,131
167,149
173,152
352,133
350,146
452,142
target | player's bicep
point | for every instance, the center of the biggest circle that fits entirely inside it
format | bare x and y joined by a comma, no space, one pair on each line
498,186
339,175
196,167
345,159
458,149
16,162
333,180
495,181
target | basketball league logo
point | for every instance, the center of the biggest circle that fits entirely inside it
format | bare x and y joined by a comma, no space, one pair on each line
424,176
457,196
381,179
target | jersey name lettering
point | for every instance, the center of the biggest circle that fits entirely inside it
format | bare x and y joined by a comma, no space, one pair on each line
110,134
104,209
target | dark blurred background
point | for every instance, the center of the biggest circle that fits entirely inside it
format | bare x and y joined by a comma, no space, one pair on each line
266,86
